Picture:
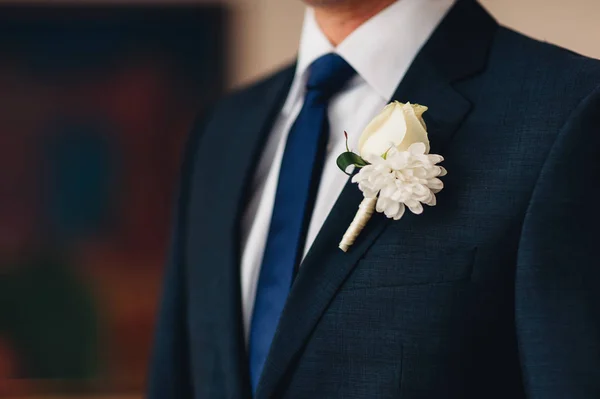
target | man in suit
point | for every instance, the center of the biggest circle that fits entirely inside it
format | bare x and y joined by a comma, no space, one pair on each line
490,294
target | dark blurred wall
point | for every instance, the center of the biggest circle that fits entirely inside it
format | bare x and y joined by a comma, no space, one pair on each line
95,103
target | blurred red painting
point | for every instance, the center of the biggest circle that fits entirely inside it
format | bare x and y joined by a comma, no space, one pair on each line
95,103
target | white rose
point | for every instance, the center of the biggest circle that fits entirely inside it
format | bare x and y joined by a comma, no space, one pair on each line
398,125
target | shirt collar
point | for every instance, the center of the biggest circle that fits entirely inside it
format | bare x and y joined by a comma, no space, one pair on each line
381,50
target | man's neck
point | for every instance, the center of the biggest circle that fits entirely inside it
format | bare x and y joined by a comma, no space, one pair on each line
339,20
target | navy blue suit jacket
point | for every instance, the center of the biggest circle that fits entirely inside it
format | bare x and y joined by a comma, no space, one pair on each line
493,293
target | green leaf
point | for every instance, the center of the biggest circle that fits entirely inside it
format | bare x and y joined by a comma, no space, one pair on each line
349,158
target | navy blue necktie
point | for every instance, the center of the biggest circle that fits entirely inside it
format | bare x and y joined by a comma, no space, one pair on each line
298,182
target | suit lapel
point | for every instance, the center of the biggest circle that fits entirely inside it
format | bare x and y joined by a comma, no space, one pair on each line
214,252
457,49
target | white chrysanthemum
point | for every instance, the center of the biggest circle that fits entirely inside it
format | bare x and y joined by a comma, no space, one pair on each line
403,179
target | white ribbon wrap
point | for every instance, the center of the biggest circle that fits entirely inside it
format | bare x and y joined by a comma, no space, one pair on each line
364,213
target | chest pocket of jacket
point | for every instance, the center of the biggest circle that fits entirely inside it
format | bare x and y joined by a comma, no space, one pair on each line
391,265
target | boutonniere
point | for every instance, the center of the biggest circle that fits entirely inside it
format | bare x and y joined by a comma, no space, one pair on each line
396,169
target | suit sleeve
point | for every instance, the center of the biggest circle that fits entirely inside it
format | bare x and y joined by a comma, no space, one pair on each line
169,375
557,291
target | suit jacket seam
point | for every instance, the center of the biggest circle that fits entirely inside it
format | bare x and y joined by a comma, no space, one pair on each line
559,134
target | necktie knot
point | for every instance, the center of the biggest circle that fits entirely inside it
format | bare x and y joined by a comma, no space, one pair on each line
328,74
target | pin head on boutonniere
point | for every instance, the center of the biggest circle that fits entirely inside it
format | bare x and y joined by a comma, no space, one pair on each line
396,169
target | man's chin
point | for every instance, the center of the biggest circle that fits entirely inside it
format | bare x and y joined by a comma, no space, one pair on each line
325,3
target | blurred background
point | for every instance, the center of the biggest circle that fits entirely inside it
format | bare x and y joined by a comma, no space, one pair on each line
96,98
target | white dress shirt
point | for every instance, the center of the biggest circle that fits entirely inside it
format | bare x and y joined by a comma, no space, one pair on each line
381,51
